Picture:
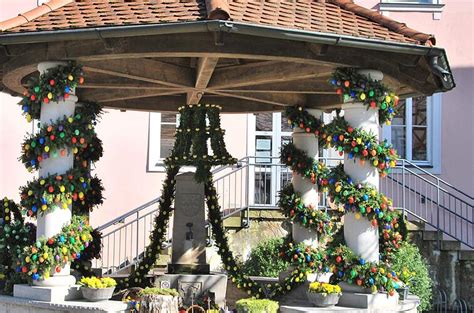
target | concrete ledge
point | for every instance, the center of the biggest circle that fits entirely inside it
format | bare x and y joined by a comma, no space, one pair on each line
369,301
407,306
18,305
47,294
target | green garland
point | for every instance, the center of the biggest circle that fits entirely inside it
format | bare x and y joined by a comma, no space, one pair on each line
83,265
9,211
193,135
215,220
58,192
51,254
75,133
14,236
54,85
190,148
361,199
312,218
360,88
357,143
157,236
298,117
298,161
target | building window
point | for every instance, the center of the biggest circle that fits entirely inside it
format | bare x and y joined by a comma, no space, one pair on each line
413,1
415,130
431,6
161,138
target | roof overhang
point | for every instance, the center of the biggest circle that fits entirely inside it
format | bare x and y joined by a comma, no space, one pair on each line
410,68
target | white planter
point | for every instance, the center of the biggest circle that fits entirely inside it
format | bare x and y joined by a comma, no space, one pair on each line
323,300
97,294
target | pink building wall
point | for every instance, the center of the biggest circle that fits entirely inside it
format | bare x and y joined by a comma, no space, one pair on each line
125,134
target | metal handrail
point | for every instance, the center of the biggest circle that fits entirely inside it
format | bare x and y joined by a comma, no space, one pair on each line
235,183
425,172
124,216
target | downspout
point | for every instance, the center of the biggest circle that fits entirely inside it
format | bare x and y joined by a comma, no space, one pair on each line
439,71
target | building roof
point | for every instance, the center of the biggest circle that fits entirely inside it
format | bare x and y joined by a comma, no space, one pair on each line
342,17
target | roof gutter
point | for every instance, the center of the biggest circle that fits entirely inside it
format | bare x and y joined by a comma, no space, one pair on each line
436,54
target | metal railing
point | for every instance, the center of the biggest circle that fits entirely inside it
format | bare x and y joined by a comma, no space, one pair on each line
427,198
254,184
125,237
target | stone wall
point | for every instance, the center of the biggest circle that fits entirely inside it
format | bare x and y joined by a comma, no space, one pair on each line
454,276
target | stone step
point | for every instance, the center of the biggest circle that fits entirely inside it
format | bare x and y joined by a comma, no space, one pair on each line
448,245
431,235
415,226
466,255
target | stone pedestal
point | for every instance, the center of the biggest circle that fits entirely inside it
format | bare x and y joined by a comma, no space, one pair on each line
194,286
361,237
189,228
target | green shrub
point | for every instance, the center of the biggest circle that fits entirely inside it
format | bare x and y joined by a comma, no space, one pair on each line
253,305
412,268
159,292
264,259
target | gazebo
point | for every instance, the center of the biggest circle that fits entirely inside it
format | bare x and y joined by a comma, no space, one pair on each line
241,56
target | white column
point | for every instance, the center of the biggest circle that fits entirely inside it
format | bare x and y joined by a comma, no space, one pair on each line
361,237
309,191
51,222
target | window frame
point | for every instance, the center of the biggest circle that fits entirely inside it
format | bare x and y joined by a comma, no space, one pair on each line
435,6
433,111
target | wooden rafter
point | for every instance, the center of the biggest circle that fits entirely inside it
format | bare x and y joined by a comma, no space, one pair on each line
144,70
268,72
204,69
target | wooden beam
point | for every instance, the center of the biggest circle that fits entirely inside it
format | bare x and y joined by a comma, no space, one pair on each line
124,94
103,81
144,70
307,86
269,72
172,103
204,69
274,99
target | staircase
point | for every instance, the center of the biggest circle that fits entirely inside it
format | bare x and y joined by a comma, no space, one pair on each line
442,216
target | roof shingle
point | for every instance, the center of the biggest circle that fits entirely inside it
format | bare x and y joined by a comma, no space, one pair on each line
326,16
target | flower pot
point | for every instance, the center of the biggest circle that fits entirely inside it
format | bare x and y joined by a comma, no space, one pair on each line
323,299
403,292
97,294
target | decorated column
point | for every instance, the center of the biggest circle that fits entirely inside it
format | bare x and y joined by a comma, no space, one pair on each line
51,222
360,235
305,187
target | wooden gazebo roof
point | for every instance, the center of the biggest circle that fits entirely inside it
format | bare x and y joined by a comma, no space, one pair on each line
246,55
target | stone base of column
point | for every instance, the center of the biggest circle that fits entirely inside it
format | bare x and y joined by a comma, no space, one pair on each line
47,294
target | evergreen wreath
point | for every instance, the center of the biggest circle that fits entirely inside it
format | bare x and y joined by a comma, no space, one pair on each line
357,87
54,85
49,255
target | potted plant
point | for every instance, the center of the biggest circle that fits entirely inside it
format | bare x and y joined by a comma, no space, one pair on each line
323,294
97,289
